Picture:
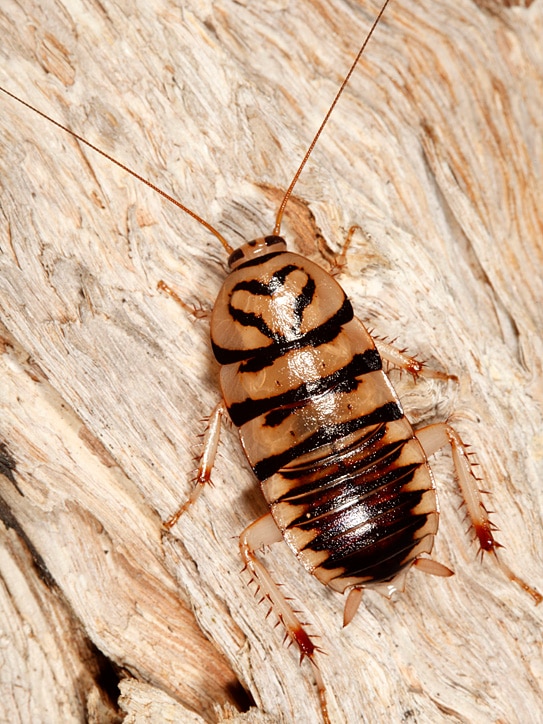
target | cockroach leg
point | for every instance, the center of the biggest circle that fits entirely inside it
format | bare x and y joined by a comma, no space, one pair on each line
194,311
399,359
341,259
432,439
207,459
395,357
264,532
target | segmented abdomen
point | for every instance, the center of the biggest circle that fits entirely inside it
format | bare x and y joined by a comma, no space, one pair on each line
346,480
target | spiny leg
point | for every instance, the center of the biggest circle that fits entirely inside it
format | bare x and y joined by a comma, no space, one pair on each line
264,532
207,459
432,439
398,358
394,356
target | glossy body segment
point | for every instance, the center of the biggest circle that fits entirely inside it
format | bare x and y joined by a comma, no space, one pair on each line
346,480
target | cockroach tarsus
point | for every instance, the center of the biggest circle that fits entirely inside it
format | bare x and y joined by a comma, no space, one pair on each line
345,475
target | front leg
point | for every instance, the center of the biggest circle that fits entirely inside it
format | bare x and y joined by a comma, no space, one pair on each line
199,312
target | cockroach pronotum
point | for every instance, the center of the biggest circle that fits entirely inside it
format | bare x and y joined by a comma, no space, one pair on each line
344,473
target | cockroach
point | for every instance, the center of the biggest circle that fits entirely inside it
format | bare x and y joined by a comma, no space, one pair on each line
345,475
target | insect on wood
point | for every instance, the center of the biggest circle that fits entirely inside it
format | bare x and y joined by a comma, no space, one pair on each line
303,380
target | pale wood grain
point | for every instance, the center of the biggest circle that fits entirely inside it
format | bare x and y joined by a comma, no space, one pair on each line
436,153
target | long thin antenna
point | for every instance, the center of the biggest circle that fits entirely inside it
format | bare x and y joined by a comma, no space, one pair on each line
286,197
188,211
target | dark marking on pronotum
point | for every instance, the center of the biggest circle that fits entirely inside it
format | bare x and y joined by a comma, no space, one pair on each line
264,356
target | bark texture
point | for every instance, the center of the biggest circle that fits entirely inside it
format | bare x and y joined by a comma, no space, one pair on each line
436,153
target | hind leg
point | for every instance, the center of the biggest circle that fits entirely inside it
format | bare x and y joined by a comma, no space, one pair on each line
264,532
432,439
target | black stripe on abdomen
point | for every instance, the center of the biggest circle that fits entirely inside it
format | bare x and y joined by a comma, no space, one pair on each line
325,435
342,380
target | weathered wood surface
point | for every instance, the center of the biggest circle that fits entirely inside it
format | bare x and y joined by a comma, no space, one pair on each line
436,153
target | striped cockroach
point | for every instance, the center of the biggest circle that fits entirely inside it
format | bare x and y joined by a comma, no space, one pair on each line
335,384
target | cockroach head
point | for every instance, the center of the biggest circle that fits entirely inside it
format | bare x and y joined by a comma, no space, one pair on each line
255,250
